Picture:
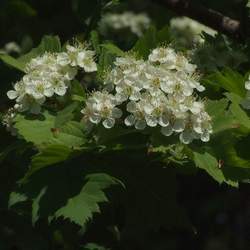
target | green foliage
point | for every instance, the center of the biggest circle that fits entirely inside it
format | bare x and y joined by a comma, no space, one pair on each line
237,111
49,155
37,130
76,202
93,246
58,174
50,129
150,40
212,167
112,49
229,80
222,118
48,44
16,198
80,208
11,61
219,52
65,115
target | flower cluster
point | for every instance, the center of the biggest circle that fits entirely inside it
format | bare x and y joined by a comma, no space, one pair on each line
137,23
190,30
246,102
156,92
50,74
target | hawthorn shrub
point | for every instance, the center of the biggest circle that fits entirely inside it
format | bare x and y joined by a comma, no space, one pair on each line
98,129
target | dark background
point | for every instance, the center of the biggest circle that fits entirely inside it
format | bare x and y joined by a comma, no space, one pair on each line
220,215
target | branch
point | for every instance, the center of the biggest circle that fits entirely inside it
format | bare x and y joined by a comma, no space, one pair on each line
208,17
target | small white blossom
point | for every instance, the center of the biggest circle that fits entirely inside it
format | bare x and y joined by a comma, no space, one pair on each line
101,107
167,56
48,75
137,23
170,60
80,56
158,92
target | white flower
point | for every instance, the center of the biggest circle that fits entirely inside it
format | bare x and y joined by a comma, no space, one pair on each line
158,92
170,60
167,56
63,59
247,84
137,23
85,59
39,89
80,56
19,91
137,117
187,136
156,78
50,74
101,106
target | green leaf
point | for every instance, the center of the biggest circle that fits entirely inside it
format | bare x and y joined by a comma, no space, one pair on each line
105,61
50,155
35,129
113,49
65,115
42,130
146,43
16,198
59,148
237,111
67,192
80,208
77,91
151,40
210,164
229,80
47,44
93,246
225,148
13,62
95,41
71,135
163,36
234,159
222,119
219,52
78,98
36,205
